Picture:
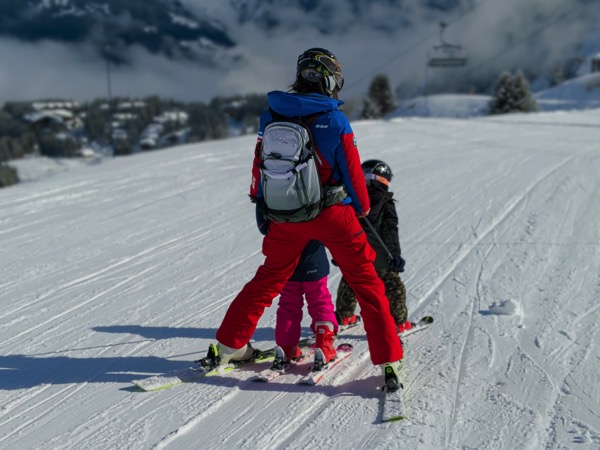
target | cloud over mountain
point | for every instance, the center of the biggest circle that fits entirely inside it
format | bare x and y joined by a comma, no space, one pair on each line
198,49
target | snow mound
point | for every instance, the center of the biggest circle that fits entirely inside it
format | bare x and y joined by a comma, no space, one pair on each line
37,168
505,308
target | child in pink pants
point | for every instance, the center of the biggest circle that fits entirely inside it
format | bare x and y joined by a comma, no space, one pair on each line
309,281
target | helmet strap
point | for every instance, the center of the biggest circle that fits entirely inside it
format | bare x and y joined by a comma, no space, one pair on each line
330,84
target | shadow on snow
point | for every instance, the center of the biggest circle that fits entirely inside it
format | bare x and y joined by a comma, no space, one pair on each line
26,371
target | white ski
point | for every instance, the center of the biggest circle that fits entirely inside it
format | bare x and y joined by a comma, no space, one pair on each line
393,406
314,376
421,325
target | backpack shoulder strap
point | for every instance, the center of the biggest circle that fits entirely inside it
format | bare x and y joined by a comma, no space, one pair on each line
304,120
307,121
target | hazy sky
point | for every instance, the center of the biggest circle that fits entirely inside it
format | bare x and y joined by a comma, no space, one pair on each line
52,69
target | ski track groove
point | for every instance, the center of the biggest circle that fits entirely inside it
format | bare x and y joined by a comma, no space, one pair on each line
194,421
30,397
310,406
82,281
557,414
26,396
150,254
50,194
348,369
63,395
65,289
72,309
468,335
499,220
315,406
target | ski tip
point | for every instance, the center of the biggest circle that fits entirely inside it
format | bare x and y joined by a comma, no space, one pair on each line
138,387
393,419
345,347
309,381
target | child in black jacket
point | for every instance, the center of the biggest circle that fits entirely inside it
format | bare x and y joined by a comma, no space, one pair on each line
383,237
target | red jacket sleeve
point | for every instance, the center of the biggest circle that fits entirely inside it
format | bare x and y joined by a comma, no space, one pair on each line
255,184
357,178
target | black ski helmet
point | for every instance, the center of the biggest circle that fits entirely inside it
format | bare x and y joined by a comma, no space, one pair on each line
318,64
377,170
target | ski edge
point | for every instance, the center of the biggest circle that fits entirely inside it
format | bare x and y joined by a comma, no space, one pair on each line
394,409
269,374
190,374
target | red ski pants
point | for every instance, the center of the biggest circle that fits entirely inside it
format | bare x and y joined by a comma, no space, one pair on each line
338,228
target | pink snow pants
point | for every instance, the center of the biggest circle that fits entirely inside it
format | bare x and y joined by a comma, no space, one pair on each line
291,302
338,228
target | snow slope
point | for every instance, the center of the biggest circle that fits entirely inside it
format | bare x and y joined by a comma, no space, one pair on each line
578,93
126,268
34,168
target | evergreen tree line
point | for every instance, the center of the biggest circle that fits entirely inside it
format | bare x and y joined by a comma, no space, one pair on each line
511,94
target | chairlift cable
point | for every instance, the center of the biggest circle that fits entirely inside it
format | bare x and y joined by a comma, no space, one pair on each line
409,49
562,16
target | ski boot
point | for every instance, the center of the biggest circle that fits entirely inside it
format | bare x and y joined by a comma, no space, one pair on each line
347,322
211,360
324,349
391,375
220,355
284,355
405,326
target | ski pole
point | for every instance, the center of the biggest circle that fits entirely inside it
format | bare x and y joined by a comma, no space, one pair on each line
378,238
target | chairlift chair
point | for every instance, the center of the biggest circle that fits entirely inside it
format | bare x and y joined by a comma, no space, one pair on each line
446,54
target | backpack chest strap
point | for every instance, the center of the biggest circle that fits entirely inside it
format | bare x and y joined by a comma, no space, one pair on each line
289,173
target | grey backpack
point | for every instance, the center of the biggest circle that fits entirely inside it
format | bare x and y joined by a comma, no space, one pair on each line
290,181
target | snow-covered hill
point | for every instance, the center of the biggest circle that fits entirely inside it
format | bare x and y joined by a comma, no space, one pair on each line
580,93
126,268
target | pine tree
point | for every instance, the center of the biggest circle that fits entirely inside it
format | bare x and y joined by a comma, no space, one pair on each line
512,94
501,102
380,99
526,102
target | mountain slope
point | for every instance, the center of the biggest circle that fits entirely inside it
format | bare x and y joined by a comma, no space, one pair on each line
244,45
160,26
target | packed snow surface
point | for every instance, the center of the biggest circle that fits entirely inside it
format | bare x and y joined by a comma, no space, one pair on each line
125,269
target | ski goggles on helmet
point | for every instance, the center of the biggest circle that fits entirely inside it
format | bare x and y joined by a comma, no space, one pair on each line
372,176
319,64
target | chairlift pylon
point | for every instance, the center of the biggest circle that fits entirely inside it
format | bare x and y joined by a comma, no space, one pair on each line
445,54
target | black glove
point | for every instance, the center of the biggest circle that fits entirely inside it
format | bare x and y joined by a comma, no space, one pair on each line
261,222
397,264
